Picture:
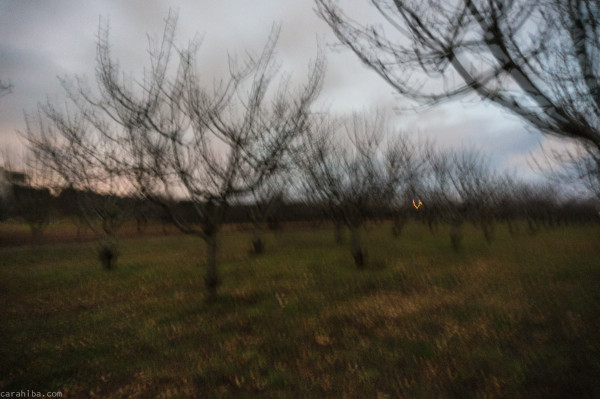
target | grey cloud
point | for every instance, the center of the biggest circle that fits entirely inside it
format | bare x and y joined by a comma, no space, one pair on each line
42,39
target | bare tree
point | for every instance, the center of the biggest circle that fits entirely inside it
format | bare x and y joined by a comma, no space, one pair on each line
69,144
349,174
25,193
461,186
6,201
441,193
207,147
508,208
477,187
69,208
538,203
577,168
266,199
405,171
34,202
311,177
536,59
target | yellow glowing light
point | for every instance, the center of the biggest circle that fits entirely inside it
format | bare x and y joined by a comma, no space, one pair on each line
417,206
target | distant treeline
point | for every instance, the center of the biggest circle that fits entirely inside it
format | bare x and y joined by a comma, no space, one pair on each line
38,206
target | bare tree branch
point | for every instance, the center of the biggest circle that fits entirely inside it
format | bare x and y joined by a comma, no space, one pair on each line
193,150
534,59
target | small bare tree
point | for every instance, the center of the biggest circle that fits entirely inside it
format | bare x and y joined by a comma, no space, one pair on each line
68,143
441,192
266,199
26,194
508,207
349,174
463,187
537,203
578,168
476,185
405,171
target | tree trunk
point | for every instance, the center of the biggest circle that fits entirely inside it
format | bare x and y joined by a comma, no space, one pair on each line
430,217
212,278
511,228
456,235
357,250
258,246
338,231
108,253
398,224
533,225
488,231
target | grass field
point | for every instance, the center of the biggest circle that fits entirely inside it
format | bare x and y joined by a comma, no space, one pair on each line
519,318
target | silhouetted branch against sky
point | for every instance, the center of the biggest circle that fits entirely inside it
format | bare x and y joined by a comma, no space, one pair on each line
40,41
533,59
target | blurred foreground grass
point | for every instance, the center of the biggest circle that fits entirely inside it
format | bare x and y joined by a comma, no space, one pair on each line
519,318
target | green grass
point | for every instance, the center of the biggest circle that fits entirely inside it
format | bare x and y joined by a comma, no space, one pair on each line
518,318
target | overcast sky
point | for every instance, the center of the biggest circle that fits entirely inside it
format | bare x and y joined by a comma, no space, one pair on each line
43,40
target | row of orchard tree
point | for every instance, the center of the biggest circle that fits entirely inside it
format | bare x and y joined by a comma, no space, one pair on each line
370,171
348,174
170,137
